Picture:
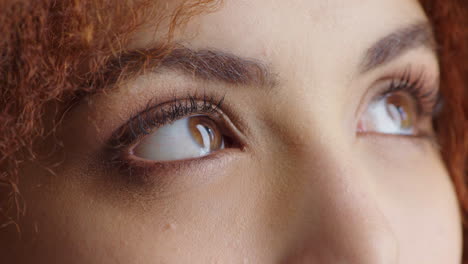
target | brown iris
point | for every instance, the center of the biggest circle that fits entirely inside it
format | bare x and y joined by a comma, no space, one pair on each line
401,108
206,133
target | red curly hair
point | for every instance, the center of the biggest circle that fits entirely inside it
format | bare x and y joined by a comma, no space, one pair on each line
54,51
450,23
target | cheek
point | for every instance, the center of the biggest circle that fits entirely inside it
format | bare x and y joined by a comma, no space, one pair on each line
427,217
220,219
255,208
418,199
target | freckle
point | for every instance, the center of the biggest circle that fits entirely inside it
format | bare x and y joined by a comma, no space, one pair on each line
171,226
124,243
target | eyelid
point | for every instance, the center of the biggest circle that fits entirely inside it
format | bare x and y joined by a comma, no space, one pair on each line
226,127
425,94
419,141
427,87
132,132
142,171
157,114
164,180
428,83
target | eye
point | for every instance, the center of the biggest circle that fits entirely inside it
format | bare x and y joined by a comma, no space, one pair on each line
190,137
393,113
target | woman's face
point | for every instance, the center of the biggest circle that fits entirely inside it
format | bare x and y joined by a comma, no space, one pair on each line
278,132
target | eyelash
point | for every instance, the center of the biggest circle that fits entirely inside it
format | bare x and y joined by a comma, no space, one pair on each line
428,100
156,115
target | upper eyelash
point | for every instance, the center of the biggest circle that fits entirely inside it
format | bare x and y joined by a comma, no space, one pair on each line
156,115
428,101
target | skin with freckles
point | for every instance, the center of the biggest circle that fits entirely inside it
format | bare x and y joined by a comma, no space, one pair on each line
298,185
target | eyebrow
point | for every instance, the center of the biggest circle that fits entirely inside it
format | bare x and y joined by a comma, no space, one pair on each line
215,65
206,64
397,43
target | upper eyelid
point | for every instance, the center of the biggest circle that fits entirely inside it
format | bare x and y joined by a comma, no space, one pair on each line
133,128
134,132
376,88
215,65
151,105
129,65
427,95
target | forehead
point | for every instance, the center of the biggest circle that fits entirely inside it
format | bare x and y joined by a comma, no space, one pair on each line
233,20
275,30
305,42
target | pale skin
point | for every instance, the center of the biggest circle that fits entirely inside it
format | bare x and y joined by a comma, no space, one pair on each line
306,186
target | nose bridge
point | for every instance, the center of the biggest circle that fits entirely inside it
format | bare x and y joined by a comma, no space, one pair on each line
348,225
338,214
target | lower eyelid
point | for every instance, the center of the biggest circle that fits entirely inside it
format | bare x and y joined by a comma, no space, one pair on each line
416,140
233,137
390,147
134,129
428,84
172,177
